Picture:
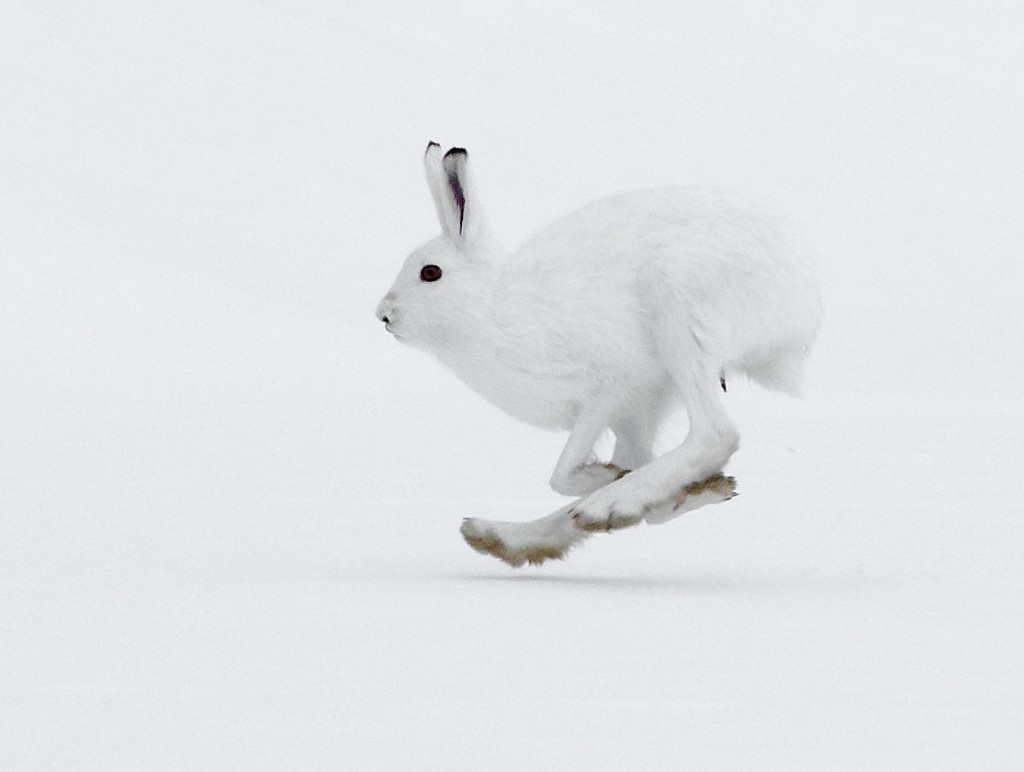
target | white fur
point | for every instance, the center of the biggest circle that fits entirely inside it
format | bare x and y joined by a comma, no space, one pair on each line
607,317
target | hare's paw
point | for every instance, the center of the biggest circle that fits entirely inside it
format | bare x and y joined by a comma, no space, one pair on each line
619,505
587,479
713,490
633,499
518,543
481,536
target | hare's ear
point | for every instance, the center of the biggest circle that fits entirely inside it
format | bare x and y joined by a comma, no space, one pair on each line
454,196
437,181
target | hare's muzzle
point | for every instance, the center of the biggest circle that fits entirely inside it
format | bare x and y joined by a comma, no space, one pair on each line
386,310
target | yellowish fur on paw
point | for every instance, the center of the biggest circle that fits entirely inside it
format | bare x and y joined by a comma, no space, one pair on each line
618,471
489,543
717,484
614,522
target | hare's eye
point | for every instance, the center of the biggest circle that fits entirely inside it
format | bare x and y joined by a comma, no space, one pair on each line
430,273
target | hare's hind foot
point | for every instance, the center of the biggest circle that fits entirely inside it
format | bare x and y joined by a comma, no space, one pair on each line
605,511
533,542
714,490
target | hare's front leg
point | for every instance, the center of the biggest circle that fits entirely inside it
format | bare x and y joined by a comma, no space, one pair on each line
634,437
577,472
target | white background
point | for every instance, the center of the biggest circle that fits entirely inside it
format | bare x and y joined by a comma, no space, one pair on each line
229,501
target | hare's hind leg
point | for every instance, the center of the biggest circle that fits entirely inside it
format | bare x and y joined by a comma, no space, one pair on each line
659,490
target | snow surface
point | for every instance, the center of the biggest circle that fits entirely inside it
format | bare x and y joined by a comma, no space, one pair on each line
229,502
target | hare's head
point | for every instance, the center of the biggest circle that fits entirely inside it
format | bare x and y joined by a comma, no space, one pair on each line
442,285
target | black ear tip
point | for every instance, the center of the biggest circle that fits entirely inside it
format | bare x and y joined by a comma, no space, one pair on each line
456,151
432,144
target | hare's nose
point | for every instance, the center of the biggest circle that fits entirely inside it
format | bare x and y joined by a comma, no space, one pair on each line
385,310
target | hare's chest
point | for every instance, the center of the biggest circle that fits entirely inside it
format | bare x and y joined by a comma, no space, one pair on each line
540,399
543,394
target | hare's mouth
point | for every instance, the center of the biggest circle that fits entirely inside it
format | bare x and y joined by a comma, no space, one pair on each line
391,329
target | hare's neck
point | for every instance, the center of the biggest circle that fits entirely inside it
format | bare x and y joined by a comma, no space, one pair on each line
481,341
499,355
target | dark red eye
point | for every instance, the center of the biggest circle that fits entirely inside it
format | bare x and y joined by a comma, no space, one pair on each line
430,273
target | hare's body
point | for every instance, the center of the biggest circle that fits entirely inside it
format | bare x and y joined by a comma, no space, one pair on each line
587,309
603,320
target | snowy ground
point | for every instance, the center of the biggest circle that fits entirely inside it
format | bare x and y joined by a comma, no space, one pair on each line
229,503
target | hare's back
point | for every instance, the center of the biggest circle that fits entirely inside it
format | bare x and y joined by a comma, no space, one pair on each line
637,227
706,258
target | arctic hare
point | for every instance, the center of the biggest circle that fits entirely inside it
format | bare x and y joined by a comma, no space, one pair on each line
604,320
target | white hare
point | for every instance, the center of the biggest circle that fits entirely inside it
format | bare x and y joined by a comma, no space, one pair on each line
605,320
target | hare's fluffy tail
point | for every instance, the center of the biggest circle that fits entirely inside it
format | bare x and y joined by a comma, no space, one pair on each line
780,371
